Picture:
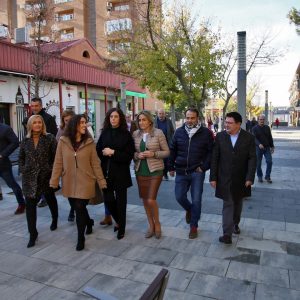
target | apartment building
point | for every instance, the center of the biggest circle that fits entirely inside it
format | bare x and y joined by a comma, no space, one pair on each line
108,24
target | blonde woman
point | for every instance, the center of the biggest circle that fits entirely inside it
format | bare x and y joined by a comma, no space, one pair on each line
36,157
151,148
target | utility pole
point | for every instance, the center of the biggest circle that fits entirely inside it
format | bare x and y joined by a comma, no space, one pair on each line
241,75
123,97
266,107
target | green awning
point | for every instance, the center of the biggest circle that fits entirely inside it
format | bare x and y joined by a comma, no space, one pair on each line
135,94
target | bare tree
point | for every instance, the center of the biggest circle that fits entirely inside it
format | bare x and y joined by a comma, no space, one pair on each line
260,54
40,13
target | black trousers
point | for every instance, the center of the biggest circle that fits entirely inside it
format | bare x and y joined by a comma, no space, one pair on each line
116,202
31,215
82,215
232,210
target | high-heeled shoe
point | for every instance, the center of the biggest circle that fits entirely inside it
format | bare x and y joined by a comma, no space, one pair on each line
158,231
120,235
149,234
89,227
80,244
53,225
32,240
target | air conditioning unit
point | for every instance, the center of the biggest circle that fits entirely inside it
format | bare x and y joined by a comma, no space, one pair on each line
22,35
109,6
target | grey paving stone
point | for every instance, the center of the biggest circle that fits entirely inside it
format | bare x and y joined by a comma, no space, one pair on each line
285,236
258,274
293,248
71,279
252,231
144,273
108,265
221,288
264,292
63,255
292,227
150,255
264,245
278,260
12,288
183,246
269,225
295,279
232,253
51,293
172,295
119,288
200,264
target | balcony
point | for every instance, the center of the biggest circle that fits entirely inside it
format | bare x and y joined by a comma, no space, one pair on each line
62,1
67,36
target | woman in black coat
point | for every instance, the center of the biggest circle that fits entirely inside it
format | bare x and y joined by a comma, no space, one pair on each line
115,149
36,157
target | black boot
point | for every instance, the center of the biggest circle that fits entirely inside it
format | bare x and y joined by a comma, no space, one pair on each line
89,226
53,225
80,244
32,239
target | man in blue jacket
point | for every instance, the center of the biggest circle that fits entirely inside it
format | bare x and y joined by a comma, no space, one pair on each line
8,143
191,151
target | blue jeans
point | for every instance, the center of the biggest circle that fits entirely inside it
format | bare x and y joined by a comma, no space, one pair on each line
194,183
268,156
8,177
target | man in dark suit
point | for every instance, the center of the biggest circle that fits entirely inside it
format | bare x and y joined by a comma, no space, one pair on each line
232,172
8,143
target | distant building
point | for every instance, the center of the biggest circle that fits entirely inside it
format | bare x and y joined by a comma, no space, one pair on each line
295,98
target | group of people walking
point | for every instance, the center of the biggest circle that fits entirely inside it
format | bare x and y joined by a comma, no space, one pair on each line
75,162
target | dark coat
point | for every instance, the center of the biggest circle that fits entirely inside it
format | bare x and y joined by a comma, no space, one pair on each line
232,167
170,129
36,165
51,126
186,154
116,169
8,143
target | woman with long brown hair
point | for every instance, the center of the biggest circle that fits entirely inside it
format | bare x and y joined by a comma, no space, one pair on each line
76,161
151,148
66,116
115,148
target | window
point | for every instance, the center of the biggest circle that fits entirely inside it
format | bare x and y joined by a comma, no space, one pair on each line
117,46
61,1
86,54
121,7
118,25
65,17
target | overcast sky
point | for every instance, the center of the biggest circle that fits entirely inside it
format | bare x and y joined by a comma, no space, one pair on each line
257,17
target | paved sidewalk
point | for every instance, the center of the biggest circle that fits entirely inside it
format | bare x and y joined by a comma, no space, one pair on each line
262,263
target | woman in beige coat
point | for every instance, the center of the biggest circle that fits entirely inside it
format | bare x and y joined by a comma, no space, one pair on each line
77,162
151,148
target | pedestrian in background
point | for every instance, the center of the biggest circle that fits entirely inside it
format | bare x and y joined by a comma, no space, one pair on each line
163,123
216,124
277,122
191,150
36,157
76,161
115,149
131,124
8,143
36,106
151,148
264,147
232,172
65,118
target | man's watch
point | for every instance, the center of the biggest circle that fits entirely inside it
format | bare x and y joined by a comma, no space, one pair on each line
1,156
